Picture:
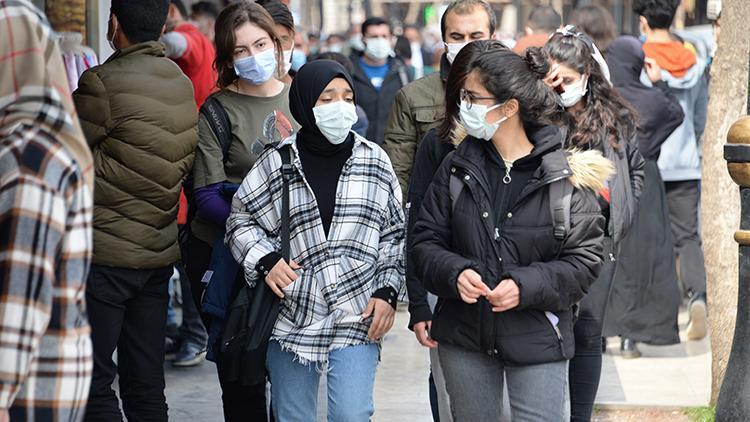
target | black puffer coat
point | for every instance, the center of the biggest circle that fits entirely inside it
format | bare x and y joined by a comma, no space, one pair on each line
551,276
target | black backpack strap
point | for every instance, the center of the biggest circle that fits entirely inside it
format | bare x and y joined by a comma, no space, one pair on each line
287,171
218,119
560,194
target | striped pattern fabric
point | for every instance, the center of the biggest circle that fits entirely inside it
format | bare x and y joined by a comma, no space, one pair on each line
45,251
364,251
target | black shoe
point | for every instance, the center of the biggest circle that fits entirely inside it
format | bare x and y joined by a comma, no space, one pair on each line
629,349
604,345
171,348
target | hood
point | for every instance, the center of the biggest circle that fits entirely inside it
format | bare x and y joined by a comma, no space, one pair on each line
683,63
587,169
590,169
625,58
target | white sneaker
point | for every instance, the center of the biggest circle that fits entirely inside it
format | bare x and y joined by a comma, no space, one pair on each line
698,324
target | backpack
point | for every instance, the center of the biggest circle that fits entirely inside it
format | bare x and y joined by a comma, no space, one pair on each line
560,193
218,120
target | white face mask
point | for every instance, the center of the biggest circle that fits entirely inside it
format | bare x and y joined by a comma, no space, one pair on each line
378,48
335,120
574,92
288,60
451,50
474,119
111,41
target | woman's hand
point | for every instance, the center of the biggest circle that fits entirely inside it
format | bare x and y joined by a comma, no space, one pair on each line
383,316
471,286
422,331
281,275
553,79
505,297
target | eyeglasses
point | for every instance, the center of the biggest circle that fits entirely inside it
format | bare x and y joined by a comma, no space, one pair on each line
469,98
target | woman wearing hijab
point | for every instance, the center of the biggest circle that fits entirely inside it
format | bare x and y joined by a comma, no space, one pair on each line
645,299
46,186
347,238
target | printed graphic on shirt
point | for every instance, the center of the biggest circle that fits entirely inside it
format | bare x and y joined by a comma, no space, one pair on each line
276,127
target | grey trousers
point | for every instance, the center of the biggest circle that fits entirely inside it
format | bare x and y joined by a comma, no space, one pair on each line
475,384
683,200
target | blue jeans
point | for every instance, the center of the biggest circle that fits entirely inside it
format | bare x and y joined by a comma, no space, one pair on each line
475,386
351,378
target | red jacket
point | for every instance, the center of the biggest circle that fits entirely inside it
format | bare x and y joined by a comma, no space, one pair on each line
197,62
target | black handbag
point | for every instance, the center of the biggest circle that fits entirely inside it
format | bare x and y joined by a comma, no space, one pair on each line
253,313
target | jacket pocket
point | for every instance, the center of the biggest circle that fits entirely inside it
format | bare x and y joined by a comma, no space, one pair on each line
353,286
426,119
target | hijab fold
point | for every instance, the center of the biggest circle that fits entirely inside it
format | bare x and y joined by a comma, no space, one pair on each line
33,84
308,84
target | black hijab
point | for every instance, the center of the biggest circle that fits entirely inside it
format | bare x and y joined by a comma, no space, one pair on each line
306,87
659,112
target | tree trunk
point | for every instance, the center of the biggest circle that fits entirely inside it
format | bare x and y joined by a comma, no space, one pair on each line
720,206
67,15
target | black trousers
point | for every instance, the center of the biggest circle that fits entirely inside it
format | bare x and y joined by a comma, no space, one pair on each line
586,366
241,402
128,312
683,200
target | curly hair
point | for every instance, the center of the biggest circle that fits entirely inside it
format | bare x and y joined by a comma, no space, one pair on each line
606,114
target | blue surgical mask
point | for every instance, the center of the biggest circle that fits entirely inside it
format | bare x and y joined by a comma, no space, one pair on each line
298,60
256,69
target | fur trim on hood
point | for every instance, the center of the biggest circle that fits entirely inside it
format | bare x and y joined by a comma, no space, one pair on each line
590,169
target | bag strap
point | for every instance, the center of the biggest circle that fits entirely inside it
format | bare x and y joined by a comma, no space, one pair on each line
286,176
560,194
218,120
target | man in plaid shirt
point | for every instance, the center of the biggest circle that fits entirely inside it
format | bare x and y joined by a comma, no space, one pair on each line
45,228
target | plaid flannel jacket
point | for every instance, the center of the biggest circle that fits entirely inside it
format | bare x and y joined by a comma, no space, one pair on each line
364,250
45,250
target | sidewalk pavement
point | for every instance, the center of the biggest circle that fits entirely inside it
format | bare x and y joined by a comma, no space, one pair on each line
665,377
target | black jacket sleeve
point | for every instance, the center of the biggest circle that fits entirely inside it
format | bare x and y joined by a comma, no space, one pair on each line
636,163
434,262
558,284
430,153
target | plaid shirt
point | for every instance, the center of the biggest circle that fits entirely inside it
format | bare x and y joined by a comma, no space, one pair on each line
45,250
364,251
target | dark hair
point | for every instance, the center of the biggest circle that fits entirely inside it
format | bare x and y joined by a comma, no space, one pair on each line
231,18
506,75
141,20
597,22
465,7
205,8
279,13
375,21
336,57
402,47
339,36
658,13
460,69
544,18
605,110
180,5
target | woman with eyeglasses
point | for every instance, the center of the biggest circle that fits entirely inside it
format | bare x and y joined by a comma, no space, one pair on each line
484,243
599,119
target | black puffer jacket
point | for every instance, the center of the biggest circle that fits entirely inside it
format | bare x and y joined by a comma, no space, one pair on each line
551,276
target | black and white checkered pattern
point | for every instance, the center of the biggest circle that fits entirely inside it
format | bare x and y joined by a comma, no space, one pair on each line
364,250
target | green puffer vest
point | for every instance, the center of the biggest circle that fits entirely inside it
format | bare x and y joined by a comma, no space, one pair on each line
140,119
